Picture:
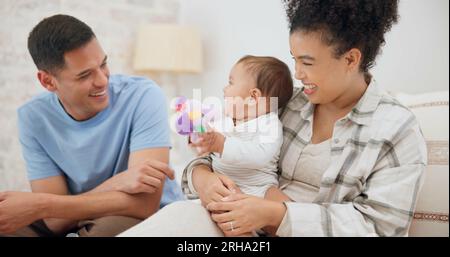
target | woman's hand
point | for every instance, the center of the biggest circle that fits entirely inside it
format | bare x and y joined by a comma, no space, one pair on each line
240,214
212,187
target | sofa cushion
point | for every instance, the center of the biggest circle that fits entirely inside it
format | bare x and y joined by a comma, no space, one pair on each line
431,215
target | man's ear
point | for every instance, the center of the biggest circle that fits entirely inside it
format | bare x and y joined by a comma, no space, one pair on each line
353,59
47,80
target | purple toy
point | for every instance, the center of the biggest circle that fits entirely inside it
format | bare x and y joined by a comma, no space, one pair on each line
193,117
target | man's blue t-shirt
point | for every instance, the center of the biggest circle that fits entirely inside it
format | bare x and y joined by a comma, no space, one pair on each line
87,153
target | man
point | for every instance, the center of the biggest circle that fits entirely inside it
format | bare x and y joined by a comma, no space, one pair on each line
96,146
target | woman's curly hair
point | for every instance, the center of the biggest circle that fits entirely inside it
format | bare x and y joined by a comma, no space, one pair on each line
346,24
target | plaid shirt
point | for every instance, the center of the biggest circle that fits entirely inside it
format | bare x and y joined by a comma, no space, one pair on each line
378,157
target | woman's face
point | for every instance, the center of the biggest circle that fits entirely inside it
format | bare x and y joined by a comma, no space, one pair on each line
324,76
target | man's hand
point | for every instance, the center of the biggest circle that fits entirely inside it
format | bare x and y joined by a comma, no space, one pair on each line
209,142
147,177
18,209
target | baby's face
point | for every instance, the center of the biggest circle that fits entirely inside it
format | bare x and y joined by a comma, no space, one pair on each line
240,82
237,92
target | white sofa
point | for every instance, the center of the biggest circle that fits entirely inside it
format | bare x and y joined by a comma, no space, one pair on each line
431,215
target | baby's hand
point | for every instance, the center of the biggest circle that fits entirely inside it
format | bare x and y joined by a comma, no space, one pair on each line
209,142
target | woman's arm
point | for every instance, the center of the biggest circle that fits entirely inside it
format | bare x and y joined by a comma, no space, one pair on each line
212,187
275,194
198,180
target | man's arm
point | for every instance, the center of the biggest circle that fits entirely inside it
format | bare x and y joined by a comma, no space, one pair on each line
151,202
54,185
63,211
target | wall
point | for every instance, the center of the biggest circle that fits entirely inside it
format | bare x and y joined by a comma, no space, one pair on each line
414,60
416,56
114,22
231,29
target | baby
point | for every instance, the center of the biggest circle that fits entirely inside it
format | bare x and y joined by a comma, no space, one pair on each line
247,151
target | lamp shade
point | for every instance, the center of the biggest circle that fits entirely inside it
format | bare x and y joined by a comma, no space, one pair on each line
168,48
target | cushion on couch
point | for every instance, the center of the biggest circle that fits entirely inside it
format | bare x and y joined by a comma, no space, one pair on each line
431,215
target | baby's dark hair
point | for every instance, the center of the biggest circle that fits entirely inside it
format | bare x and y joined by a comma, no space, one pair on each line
272,77
346,24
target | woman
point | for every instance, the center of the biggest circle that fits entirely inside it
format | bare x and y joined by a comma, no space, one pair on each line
352,159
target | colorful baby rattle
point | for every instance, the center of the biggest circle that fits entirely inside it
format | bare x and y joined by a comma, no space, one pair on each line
192,116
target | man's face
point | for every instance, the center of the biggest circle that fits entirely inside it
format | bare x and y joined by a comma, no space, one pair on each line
82,85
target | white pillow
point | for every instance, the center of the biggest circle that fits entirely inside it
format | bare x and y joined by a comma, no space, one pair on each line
432,111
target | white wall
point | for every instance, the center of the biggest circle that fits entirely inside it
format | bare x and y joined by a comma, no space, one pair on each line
414,60
230,30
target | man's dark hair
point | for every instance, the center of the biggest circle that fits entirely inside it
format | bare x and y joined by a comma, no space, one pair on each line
53,37
346,24
272,77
